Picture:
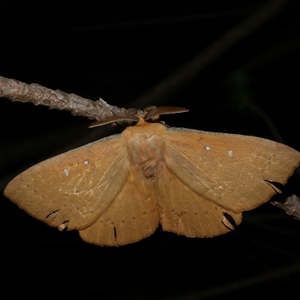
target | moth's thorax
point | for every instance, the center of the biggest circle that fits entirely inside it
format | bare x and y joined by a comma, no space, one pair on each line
144,146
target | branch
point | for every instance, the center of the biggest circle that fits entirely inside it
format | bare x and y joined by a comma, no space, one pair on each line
39,95
78,106
291,206
56,99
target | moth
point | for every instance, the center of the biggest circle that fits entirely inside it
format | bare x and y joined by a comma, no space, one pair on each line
118,189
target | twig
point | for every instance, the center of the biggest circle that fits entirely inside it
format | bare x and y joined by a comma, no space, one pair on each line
56,99
39,95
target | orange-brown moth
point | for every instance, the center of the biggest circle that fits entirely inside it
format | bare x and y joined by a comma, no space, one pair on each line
118,190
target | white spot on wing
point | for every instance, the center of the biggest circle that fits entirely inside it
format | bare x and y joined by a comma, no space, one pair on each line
86,162
66,172
230,153
207,148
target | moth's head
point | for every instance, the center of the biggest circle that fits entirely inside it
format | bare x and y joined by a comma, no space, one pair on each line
133,116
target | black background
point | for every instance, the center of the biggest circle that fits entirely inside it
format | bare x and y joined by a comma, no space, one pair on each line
118,52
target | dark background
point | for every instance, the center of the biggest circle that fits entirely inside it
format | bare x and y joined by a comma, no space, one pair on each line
119,52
